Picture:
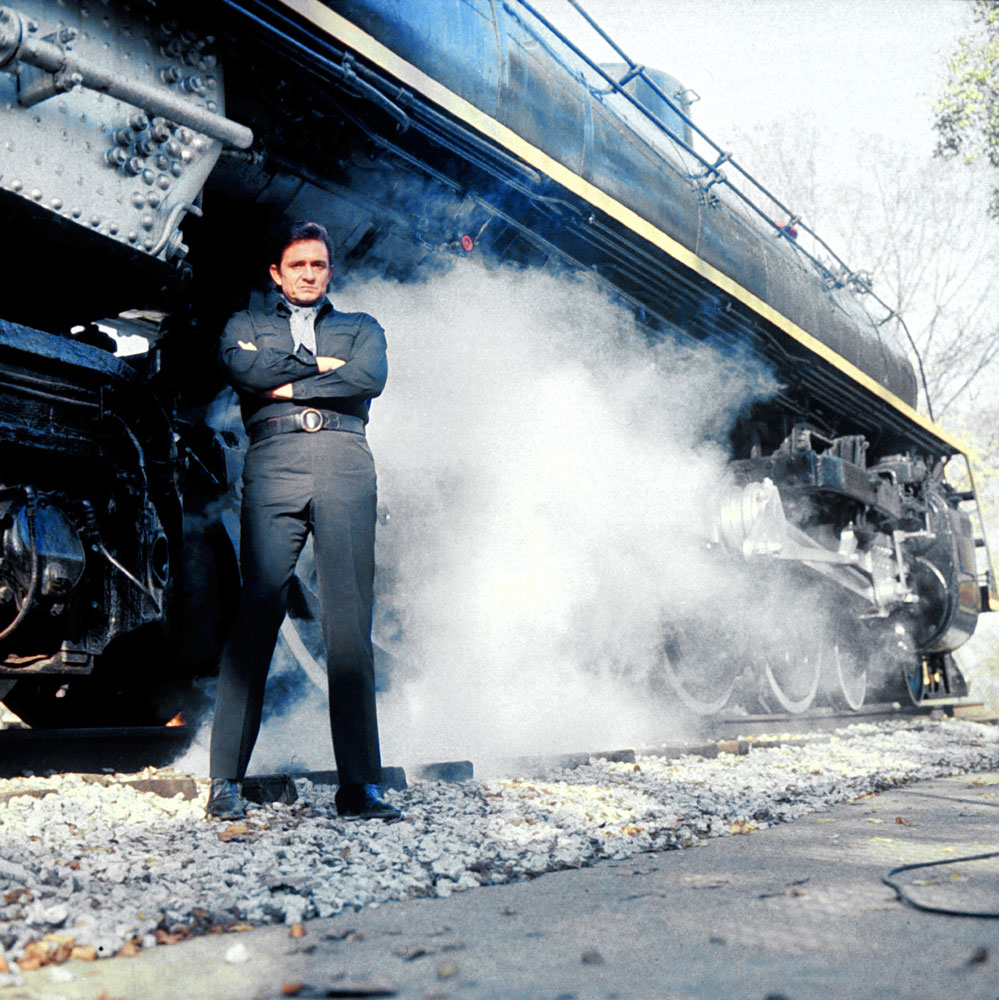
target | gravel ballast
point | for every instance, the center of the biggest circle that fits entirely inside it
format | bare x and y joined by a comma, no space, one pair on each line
91,870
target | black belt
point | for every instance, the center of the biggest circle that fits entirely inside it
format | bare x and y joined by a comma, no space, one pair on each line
309,420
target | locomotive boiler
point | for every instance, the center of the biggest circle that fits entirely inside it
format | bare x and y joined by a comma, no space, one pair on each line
143,147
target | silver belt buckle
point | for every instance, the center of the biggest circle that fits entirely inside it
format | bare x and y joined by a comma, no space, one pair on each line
312,421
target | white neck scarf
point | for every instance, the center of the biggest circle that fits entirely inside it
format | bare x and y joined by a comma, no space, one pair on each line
303,325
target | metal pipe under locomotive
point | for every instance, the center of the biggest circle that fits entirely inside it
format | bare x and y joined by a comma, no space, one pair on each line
144,146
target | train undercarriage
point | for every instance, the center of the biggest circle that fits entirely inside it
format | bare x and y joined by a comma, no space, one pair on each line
117,556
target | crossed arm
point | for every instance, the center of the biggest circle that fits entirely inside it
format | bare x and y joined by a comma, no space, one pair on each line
262,365
286,391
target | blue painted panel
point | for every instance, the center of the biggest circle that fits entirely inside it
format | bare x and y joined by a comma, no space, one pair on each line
454,41
499,58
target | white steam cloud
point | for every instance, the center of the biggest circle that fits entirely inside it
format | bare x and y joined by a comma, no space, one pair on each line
549,474
546,470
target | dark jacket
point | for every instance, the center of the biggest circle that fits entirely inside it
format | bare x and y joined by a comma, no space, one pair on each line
356,338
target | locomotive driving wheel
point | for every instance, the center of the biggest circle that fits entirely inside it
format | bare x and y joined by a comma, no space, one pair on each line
703,683
915,679
789,678
301,633
844,677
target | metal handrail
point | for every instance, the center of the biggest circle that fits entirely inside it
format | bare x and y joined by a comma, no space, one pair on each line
860,280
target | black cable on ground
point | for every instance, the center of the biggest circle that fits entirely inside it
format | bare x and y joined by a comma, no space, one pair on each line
905,898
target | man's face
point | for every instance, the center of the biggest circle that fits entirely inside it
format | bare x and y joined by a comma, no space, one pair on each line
304,272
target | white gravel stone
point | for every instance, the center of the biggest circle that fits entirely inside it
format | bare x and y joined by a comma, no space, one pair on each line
109,864
237,953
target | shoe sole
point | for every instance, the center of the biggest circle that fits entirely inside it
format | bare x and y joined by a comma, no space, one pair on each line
225,814
351,817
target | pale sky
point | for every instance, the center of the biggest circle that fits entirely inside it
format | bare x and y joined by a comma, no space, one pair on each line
849,65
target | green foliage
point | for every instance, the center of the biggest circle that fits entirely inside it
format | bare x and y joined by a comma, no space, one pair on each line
967,115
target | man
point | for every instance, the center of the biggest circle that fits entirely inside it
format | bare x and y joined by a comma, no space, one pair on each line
305,375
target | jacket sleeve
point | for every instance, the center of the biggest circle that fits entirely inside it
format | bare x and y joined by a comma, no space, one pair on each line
261,370
362,377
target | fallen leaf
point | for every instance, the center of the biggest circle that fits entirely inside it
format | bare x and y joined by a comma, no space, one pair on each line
874,819
30,963
447,970
59,954
128,950
901,820
234,830
742,826
4,967
291,989
84,953
296,931
242,927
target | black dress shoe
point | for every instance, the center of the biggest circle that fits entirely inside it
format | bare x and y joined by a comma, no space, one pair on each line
225,800
364,802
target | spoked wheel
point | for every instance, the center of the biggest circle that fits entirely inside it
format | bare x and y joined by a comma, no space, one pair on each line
302,634
915,679
703,683
789,679
300,631
844,677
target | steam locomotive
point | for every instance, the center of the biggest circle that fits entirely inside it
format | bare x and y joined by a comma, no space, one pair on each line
145,145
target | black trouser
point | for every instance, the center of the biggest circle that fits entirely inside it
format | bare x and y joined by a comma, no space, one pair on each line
292,484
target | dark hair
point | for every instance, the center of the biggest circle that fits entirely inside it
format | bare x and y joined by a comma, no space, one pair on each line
294,232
